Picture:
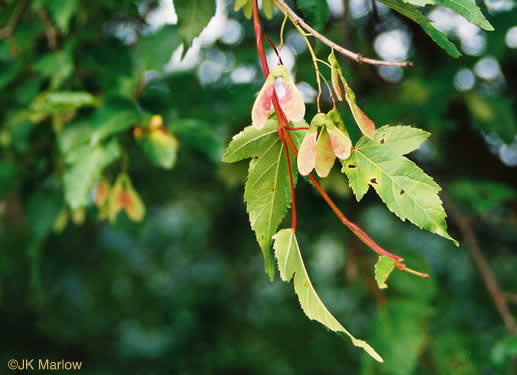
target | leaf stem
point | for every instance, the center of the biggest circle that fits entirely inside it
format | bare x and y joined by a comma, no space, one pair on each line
402,267
297,128
274,49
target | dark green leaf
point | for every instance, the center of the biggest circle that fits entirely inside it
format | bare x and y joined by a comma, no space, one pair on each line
193,16
316,12
154,50
414,14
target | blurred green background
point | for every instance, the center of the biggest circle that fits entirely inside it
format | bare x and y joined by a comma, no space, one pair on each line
184,290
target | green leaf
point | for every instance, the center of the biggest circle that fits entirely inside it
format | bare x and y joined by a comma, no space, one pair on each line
62,12
199,135
383,269
85,165
114,117
161,147
316,12
414,14
267,192
405,189
290,263
155,50
193,16
469,10
58,66
267,8
62,101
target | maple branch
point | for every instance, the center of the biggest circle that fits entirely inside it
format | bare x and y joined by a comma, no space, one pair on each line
297,20
284,136
8,30
499,297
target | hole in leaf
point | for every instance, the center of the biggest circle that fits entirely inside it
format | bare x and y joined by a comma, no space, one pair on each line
352,166
373,180
402,192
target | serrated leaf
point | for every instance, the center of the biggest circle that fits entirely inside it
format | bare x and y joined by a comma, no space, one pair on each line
193,16
267,190
414,14
469,10
383,269
84,166
316,12
405,189
290,265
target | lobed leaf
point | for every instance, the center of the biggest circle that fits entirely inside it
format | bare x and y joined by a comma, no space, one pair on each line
405,189
290,265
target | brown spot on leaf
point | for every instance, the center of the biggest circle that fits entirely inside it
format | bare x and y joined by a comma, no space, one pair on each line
382,141
402,191
373,180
